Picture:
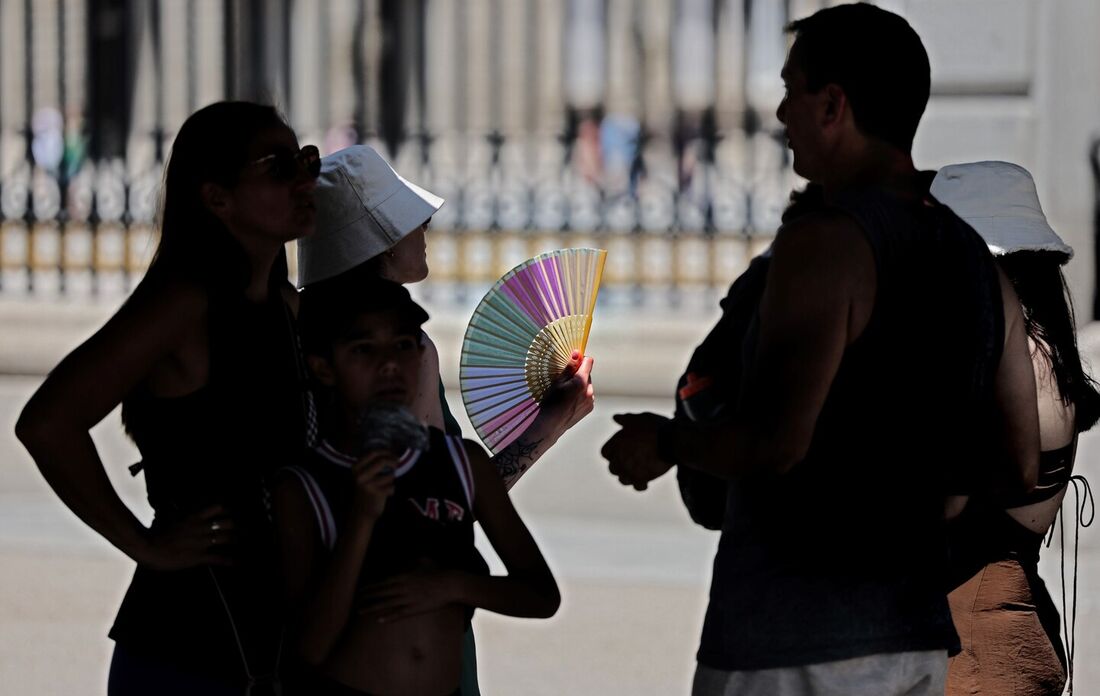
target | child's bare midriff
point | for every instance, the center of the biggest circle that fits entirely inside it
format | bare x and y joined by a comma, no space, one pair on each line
420,654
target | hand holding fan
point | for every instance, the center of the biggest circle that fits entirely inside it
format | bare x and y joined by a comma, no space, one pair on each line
522,337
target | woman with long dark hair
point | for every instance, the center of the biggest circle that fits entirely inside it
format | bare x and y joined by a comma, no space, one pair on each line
1005,617
203,358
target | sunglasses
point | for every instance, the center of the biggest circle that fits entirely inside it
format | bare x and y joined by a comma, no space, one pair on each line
284,167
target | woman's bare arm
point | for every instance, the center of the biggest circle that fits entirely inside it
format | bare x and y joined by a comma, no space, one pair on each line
147,333
427,405
1016,401
572,399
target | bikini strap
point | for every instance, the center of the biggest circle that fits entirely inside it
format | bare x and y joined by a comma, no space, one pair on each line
1084,507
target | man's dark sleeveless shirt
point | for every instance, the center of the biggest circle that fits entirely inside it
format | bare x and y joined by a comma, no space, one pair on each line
844,555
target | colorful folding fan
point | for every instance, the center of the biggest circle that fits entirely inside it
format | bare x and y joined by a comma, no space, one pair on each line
522,337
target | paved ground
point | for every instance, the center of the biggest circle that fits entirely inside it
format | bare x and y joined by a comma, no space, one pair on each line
632,568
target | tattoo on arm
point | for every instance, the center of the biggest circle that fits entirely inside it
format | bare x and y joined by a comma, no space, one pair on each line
516,459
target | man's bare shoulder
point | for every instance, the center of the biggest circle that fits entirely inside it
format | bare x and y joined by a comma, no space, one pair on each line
826,239
821,227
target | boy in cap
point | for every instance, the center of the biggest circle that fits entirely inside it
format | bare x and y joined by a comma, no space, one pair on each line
376,526
371,222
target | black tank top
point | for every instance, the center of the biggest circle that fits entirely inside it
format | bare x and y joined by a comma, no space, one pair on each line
429,517
219,445
845,555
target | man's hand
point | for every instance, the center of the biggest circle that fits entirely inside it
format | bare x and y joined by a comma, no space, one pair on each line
632,452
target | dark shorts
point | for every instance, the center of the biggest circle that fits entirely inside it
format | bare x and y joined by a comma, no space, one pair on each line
136,674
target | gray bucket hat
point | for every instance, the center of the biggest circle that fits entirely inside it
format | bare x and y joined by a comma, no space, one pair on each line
364,207
999,200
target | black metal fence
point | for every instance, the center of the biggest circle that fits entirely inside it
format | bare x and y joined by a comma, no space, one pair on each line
644,126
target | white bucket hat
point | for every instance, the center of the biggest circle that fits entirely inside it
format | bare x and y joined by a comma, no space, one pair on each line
364,207
999,200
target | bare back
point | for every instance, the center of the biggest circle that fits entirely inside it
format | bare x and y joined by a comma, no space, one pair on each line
1056,430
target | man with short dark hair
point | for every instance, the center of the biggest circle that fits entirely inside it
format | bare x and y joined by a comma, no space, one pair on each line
878,360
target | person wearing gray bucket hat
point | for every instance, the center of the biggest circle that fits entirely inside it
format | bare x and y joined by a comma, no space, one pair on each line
372,222
364,210
999,200
995,540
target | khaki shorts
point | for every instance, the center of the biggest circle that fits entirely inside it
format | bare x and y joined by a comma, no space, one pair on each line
891,674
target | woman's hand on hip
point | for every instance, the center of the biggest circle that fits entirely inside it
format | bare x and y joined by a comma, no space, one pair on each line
201,538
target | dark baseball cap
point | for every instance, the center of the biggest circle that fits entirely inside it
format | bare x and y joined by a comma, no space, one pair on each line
329,307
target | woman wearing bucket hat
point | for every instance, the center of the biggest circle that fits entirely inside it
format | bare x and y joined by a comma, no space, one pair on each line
1005,617
371,221
203,359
